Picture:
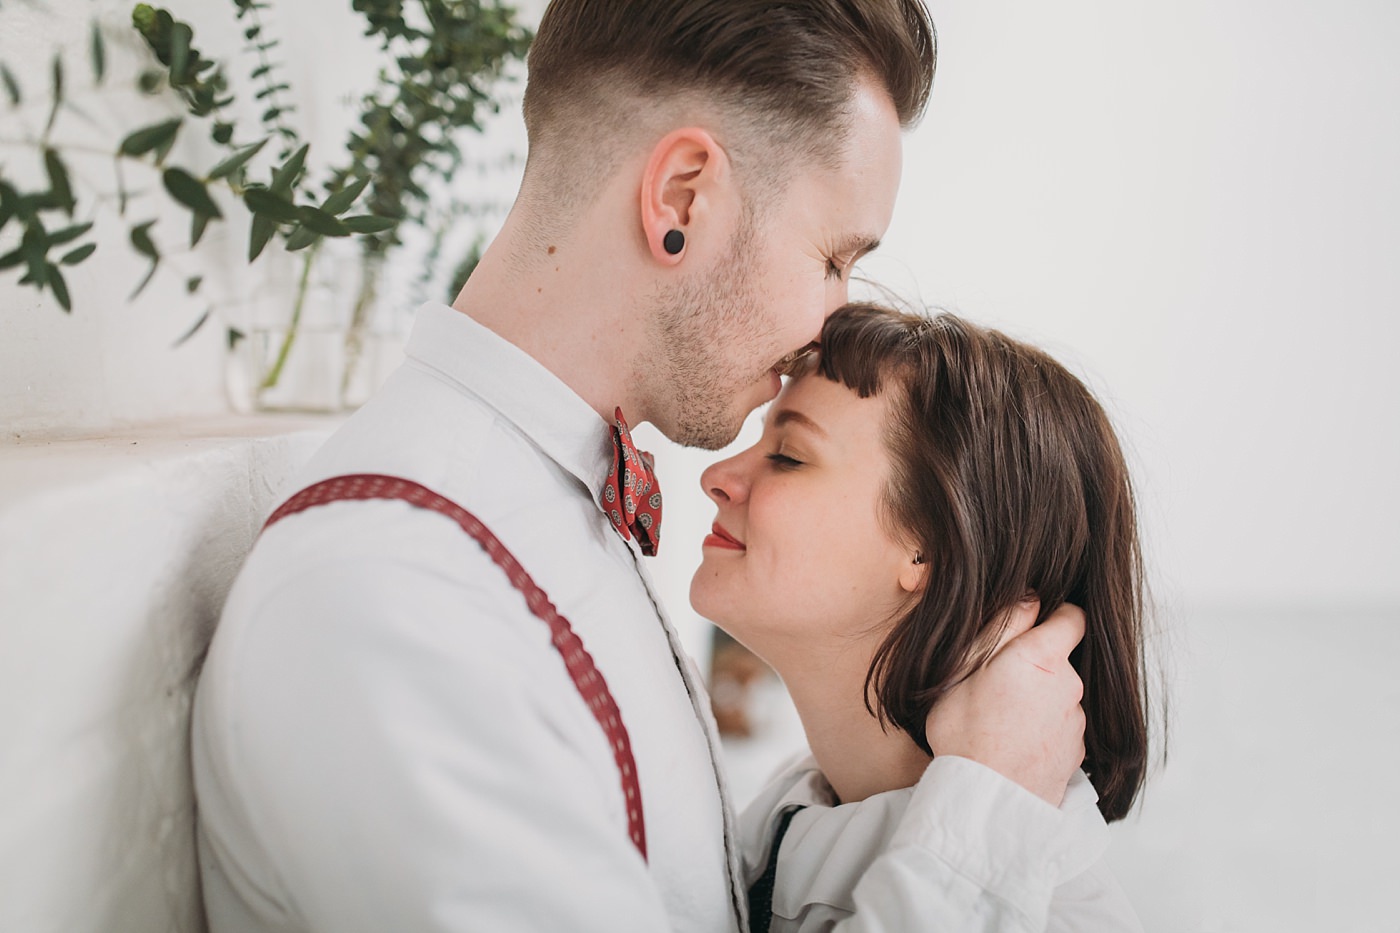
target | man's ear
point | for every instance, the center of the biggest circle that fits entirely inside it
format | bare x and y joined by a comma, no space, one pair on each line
678,190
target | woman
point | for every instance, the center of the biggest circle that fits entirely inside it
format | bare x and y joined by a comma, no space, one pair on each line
913,484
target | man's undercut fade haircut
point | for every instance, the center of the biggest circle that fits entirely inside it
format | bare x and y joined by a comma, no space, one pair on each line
786,70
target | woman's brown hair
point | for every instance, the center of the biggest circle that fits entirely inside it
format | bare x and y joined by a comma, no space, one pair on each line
1007,476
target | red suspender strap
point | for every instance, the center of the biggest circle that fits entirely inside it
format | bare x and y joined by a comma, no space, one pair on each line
577,660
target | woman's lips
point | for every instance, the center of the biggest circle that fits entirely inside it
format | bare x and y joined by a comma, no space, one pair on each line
720,538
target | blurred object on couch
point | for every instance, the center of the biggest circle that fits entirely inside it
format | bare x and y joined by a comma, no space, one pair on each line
734,670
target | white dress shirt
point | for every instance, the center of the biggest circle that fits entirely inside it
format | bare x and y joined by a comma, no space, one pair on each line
384,738
997,857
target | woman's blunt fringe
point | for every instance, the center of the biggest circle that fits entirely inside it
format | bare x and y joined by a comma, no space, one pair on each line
1007,476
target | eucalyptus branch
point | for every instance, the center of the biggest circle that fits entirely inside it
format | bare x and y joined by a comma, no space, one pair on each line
201,86
275,373
407,140
271,87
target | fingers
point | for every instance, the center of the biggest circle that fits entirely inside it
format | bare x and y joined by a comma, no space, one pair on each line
1058,635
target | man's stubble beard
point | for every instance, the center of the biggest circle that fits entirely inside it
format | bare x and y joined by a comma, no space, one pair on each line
700,326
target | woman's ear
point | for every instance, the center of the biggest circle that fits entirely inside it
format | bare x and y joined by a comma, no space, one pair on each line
678,190
913,576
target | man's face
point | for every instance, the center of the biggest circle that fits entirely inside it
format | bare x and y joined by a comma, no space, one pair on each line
724,331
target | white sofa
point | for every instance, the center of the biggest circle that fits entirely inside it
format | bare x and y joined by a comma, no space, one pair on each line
115,557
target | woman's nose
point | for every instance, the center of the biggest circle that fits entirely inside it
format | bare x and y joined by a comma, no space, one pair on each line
725,481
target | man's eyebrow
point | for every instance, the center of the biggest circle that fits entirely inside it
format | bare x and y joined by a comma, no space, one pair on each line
791,416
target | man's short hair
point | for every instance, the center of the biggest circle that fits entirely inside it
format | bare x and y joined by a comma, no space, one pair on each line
783,70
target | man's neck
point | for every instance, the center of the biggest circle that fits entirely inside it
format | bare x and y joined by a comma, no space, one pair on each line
568,309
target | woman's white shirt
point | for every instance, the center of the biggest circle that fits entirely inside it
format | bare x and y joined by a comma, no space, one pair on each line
1003,840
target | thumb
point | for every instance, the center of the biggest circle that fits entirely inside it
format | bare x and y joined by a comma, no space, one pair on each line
1020,618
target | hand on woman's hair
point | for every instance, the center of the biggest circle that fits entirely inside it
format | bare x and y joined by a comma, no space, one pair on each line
1019,714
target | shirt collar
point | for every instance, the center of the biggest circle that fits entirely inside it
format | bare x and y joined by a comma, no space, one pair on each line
475,359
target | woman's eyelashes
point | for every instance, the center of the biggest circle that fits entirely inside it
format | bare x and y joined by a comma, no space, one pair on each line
783,462
833,271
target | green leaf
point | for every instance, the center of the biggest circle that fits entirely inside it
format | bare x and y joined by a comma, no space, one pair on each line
190,191
141,240
236,161
35,246
195,328
123,196
145,280
263,229
369,223
198,224
233,335
60,287
259,71
11,259
301,238
42,201
180,37
98,50
57,91
146,139
272,113
73,257
192,284
58,180
270,90
268,204
67,234
11,85
143,17
222,133
251,32
342,200
286,177
318,221
9,202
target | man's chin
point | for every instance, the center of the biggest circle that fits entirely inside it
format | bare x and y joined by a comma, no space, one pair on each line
718,429
712,433
711,438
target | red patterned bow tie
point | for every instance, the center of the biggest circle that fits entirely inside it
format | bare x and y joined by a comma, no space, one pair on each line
632,495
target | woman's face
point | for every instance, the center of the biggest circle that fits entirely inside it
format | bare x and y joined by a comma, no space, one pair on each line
800,550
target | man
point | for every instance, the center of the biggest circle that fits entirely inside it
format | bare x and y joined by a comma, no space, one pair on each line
386,737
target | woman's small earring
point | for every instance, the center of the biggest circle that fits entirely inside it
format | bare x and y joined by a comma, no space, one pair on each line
674,242
918,558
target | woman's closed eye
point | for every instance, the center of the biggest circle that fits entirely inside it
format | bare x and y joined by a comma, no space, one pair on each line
833,270
783,462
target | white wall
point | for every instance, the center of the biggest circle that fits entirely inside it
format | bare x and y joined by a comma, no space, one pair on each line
1197,202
